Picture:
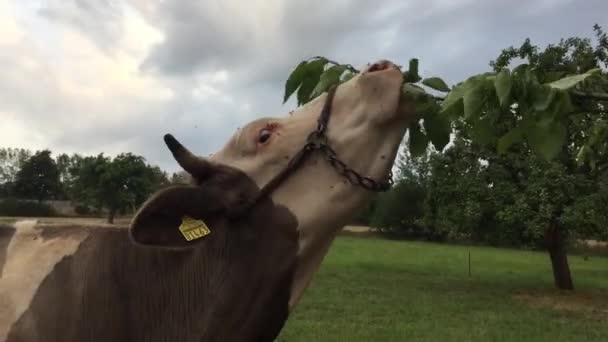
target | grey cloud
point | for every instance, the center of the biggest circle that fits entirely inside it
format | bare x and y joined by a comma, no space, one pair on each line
452,38
101,20
142,133
199,38
462,41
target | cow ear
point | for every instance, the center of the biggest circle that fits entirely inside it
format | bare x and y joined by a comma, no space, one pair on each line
158,221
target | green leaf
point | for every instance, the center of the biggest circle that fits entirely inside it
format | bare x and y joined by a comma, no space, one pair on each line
310,79
570,81
553,76
426,105
483,131
308,84
513,136
412,91
453,100
542,97
521,69
414,66
347,76
418,141
502,83
583,155
520,79
438,129
436,83
561,104
566,105
294,80
412,74
547,139
599,132
473,101
330,77
592,163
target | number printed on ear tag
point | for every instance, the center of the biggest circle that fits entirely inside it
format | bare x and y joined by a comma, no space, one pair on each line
193,229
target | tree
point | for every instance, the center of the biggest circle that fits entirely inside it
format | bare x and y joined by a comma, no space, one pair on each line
69,168
38,178
550,111
64,165
179,178
11,160
389,215
117,184
550,186
159,179
456,206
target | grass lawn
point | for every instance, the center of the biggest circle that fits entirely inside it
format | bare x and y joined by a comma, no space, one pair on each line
379,290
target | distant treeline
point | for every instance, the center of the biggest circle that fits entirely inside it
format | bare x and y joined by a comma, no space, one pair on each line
94,184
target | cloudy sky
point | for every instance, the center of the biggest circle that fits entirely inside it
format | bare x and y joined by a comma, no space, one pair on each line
91,76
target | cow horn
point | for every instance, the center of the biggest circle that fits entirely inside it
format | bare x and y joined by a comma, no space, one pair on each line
196,166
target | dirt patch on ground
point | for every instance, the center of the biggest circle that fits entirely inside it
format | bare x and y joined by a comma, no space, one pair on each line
594,243
357,229
593,304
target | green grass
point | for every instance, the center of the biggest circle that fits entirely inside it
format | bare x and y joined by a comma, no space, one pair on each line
379,290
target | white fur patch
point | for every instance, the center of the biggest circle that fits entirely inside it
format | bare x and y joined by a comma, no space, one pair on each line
29,260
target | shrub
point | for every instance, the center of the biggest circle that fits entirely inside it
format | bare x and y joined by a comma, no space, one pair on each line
400,210
83,209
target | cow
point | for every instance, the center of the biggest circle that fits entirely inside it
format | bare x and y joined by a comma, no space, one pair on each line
226,257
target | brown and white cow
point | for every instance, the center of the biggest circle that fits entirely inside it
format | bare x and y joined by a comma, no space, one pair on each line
238,283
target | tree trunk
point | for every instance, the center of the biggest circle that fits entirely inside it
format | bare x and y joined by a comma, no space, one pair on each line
559,258
112,213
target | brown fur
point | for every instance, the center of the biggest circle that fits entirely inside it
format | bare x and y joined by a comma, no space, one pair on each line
6,234
231,285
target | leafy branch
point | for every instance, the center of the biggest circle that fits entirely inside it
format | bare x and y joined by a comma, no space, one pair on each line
590,95
347,66
539,110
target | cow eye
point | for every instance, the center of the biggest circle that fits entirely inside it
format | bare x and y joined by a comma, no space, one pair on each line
264,135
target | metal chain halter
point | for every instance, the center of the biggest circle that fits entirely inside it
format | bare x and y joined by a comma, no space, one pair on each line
317,140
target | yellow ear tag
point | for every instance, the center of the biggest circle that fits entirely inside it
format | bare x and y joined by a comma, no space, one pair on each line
193,229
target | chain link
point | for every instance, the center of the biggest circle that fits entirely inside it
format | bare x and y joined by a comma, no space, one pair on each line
317,141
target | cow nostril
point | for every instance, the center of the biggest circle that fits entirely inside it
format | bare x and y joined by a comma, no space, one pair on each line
379,66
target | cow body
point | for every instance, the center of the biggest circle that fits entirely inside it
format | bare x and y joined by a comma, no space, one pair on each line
74,283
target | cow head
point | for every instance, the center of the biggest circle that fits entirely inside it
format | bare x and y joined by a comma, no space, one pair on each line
366,126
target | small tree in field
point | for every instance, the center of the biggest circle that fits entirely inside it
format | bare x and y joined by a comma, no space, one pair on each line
38,178
116,184
11,160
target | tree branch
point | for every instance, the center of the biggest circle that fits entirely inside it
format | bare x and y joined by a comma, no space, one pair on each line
589,95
